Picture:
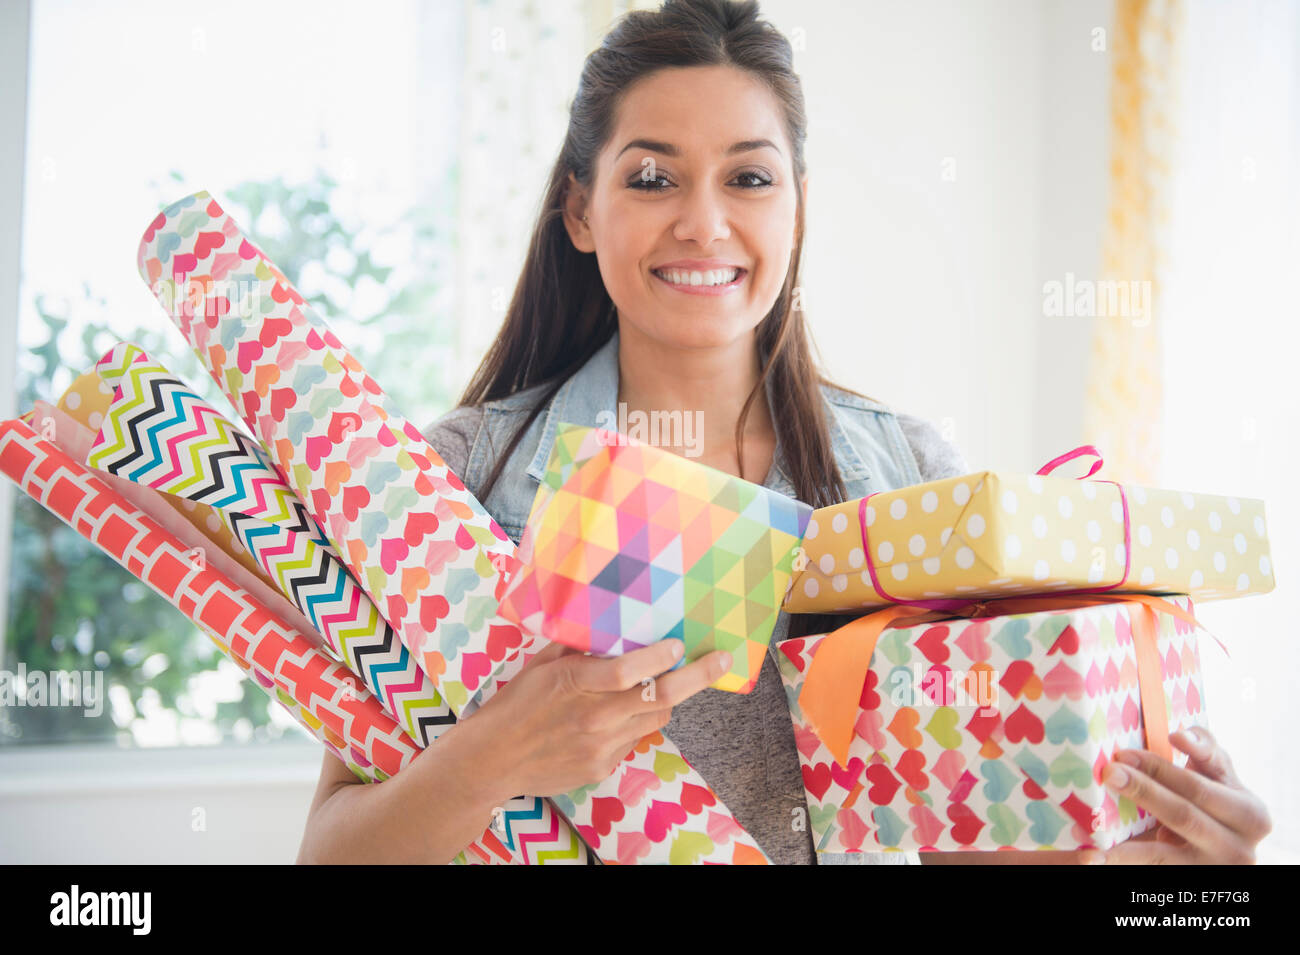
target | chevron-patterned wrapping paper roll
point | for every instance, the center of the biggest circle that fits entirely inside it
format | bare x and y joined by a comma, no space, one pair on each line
218,549
415,539
87,400
159,434
414,531
316,689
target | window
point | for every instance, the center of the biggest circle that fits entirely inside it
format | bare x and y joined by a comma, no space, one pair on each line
346,177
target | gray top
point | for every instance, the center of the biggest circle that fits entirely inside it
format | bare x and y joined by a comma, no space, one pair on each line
757,773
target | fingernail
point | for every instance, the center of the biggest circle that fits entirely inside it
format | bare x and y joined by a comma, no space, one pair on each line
678,648
1117,777
1128,757
725,663
1093,857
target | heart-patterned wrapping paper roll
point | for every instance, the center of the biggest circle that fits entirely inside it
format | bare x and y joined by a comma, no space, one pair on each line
315,688
415,539
336,440
157,434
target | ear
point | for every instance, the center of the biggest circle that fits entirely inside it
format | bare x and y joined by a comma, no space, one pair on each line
575,207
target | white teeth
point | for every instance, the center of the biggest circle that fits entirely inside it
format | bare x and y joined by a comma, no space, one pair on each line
711,277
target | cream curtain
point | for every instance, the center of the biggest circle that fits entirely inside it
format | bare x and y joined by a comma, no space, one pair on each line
1124,402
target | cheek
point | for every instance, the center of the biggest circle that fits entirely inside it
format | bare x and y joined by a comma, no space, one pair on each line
622,253
774,253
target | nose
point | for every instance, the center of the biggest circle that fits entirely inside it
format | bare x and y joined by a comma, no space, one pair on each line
703,218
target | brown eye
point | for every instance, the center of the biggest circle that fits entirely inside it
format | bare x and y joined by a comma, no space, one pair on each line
645,184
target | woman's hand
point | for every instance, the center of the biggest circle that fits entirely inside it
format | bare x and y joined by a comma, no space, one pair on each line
1204,813
567,719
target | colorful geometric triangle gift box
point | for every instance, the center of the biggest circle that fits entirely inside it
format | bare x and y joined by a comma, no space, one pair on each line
989,732
628,544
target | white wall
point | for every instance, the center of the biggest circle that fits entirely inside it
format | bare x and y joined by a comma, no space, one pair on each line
213,805
927,293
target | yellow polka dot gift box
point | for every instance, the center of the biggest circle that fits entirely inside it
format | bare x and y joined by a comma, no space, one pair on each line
993,534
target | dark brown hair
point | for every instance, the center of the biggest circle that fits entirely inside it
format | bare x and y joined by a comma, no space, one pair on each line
560,313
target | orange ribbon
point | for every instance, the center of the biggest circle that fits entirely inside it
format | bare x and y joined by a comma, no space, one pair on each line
838,671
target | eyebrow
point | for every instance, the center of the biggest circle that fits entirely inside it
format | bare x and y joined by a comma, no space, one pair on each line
668,149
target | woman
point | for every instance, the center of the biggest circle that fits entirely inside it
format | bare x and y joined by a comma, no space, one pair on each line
663,276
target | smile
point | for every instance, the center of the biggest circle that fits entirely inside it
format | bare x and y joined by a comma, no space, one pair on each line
710,282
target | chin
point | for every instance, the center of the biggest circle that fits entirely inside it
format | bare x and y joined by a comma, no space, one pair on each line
681,331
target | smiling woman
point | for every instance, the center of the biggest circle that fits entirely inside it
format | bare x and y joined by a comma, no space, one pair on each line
662,276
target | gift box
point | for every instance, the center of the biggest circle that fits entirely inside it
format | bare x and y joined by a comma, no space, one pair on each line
988,732
994,534
628,544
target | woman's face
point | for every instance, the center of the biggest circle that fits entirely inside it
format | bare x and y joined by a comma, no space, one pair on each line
669,189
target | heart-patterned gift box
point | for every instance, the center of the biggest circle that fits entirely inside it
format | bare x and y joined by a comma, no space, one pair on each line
988,732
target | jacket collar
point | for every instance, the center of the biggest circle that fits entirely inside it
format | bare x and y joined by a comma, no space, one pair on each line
593,389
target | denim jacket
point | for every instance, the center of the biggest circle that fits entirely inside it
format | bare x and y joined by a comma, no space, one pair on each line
866,438
752,765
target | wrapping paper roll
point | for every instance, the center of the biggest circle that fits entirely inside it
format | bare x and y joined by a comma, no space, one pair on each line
414,538
417,542
75,438
87,400
159,434
316,689
156,434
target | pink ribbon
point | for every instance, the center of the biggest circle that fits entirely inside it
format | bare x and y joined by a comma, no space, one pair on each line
953,603
1082,450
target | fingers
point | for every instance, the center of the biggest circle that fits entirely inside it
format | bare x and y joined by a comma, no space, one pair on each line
674,687
643,724
615,674
1204,834
1152,852
1231,807
1206,756
551,651
656,690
